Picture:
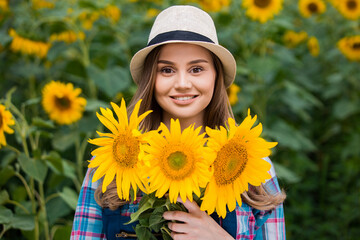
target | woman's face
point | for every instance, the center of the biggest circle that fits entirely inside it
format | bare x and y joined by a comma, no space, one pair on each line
185,81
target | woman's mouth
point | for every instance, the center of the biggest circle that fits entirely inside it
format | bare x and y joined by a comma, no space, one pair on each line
183,100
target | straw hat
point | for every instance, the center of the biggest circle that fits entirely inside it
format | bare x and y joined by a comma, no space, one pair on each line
184,24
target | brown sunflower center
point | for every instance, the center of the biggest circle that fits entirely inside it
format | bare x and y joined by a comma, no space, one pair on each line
262,3
351,4
62,103
230,163
126,151
355,46
177,160
177,165
313,8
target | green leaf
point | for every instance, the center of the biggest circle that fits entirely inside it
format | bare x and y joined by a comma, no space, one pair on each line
145,206
39,122
156,220
6,173
143,233
4,196
5,215
57,49
286,174
63,141
57,209
110,81
32,101
70,197
4,38
160,202
265,67
62,232
289,136
34,168
144,218
23,222
55,162
89,124
6,160
287,56
345,108
19,193
165,235
145,198
69,169
95,105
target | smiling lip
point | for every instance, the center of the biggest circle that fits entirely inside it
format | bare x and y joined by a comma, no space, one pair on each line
183,99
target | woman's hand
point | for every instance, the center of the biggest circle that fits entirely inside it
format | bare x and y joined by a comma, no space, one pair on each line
195,224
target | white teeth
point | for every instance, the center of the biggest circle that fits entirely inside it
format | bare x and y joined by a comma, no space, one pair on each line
183,98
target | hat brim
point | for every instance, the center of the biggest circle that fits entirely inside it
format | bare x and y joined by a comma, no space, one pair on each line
226,58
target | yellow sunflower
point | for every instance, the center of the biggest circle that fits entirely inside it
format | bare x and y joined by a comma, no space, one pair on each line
152,12
233,90
67,36
311,7
6,120
313,46
262,10
350,9
350,47
239,162
87,19
292,39
112,12
39,4
213,6
62,102
119,153
4,5
28,46
179,161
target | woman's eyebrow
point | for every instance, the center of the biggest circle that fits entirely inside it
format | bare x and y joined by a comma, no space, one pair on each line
191,62
198,61
166,62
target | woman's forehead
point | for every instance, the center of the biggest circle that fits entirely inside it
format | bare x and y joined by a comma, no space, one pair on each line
183,51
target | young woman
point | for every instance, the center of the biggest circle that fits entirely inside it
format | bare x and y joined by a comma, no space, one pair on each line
183,74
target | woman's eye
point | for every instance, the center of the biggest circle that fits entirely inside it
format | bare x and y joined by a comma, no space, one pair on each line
166,70
196,69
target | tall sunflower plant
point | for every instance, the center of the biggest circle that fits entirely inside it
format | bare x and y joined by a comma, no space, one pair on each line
24,138
212,168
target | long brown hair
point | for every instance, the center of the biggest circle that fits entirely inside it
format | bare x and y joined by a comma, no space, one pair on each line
216,115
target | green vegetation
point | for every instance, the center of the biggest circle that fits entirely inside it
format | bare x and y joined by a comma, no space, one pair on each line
308,103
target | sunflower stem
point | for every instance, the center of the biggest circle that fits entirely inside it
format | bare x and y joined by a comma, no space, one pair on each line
81,153
52,196
13,149
21,129
86,62
43,207
3,232
27,187
18,204
33,205
166,230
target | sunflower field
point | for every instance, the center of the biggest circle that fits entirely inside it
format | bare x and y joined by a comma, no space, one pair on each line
298,69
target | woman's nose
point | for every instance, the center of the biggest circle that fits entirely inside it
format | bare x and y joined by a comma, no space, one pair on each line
182,81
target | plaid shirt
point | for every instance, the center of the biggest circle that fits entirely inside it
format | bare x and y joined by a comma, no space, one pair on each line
251,223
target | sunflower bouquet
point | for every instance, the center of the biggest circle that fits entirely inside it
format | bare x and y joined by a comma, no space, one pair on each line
168,163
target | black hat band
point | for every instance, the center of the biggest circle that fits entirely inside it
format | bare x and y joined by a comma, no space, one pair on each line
179,35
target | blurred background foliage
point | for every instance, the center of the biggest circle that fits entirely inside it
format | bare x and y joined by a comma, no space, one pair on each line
294,72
